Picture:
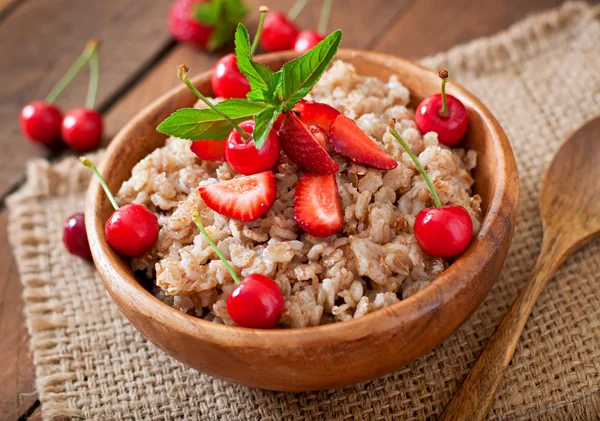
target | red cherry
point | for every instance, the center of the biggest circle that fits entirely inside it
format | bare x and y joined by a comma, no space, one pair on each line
450,129
257,302
75,237
82,129
307,40
443,232
244,157
184,28
40,122
450,124
278,33
227,80
209,150
132,229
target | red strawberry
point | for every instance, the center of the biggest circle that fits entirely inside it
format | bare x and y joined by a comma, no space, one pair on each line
242,198
300,145
184,28
349,140
316,113
317,206
209,150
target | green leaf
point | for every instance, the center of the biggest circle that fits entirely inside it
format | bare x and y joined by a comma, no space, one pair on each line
206,124
264,122
301,74
220,36
258,75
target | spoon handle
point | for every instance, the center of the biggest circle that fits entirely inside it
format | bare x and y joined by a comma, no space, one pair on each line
476,395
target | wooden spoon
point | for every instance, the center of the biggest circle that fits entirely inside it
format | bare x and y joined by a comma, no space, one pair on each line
570,211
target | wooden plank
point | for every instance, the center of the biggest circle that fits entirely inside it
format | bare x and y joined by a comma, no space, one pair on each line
6,5
17,377
39,41
429,26
358,33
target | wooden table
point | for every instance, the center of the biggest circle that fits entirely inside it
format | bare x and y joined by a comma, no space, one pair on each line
39,39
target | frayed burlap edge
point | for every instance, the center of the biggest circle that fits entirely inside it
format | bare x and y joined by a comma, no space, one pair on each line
43,312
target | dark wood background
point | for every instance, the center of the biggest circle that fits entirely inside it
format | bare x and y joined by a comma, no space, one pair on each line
39,39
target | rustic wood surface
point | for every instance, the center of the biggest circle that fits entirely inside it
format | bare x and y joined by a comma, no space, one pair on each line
137,60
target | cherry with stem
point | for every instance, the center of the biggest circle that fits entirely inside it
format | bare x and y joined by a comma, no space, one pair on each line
257,301
131,229
442,231
41,120
443,114
82,127
227,81
280,31
307,40
239,148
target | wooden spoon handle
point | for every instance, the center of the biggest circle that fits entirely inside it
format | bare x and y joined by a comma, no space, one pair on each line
476,395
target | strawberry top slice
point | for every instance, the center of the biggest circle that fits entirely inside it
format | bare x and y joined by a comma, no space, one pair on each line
243,198
317,206
350,141
299,143
316,114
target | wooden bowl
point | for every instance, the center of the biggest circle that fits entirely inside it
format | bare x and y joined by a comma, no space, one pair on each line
337,354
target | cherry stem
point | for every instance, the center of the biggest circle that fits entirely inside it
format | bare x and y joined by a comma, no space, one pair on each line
182,73
444,110
296,9
94,78
198,222
436,199
324,18
73,71
89,164
261,22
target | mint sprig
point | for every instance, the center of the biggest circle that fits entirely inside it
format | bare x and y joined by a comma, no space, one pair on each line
207,124
271,93
223,16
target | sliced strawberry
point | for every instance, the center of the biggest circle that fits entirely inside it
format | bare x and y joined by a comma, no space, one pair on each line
242,198
317,206
301,146
349,140
209,150
317,114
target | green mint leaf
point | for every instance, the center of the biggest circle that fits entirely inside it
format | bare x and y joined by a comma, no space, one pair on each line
264,123
257,74
273,93
301,74
206,124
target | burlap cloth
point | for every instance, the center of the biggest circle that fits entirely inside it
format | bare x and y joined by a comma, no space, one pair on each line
541,79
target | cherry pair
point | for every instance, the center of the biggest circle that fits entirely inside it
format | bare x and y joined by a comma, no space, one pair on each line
81,128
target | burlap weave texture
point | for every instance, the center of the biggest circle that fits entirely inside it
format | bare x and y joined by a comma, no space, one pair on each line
541,79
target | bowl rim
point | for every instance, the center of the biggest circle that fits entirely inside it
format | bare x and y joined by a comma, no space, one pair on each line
441,290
